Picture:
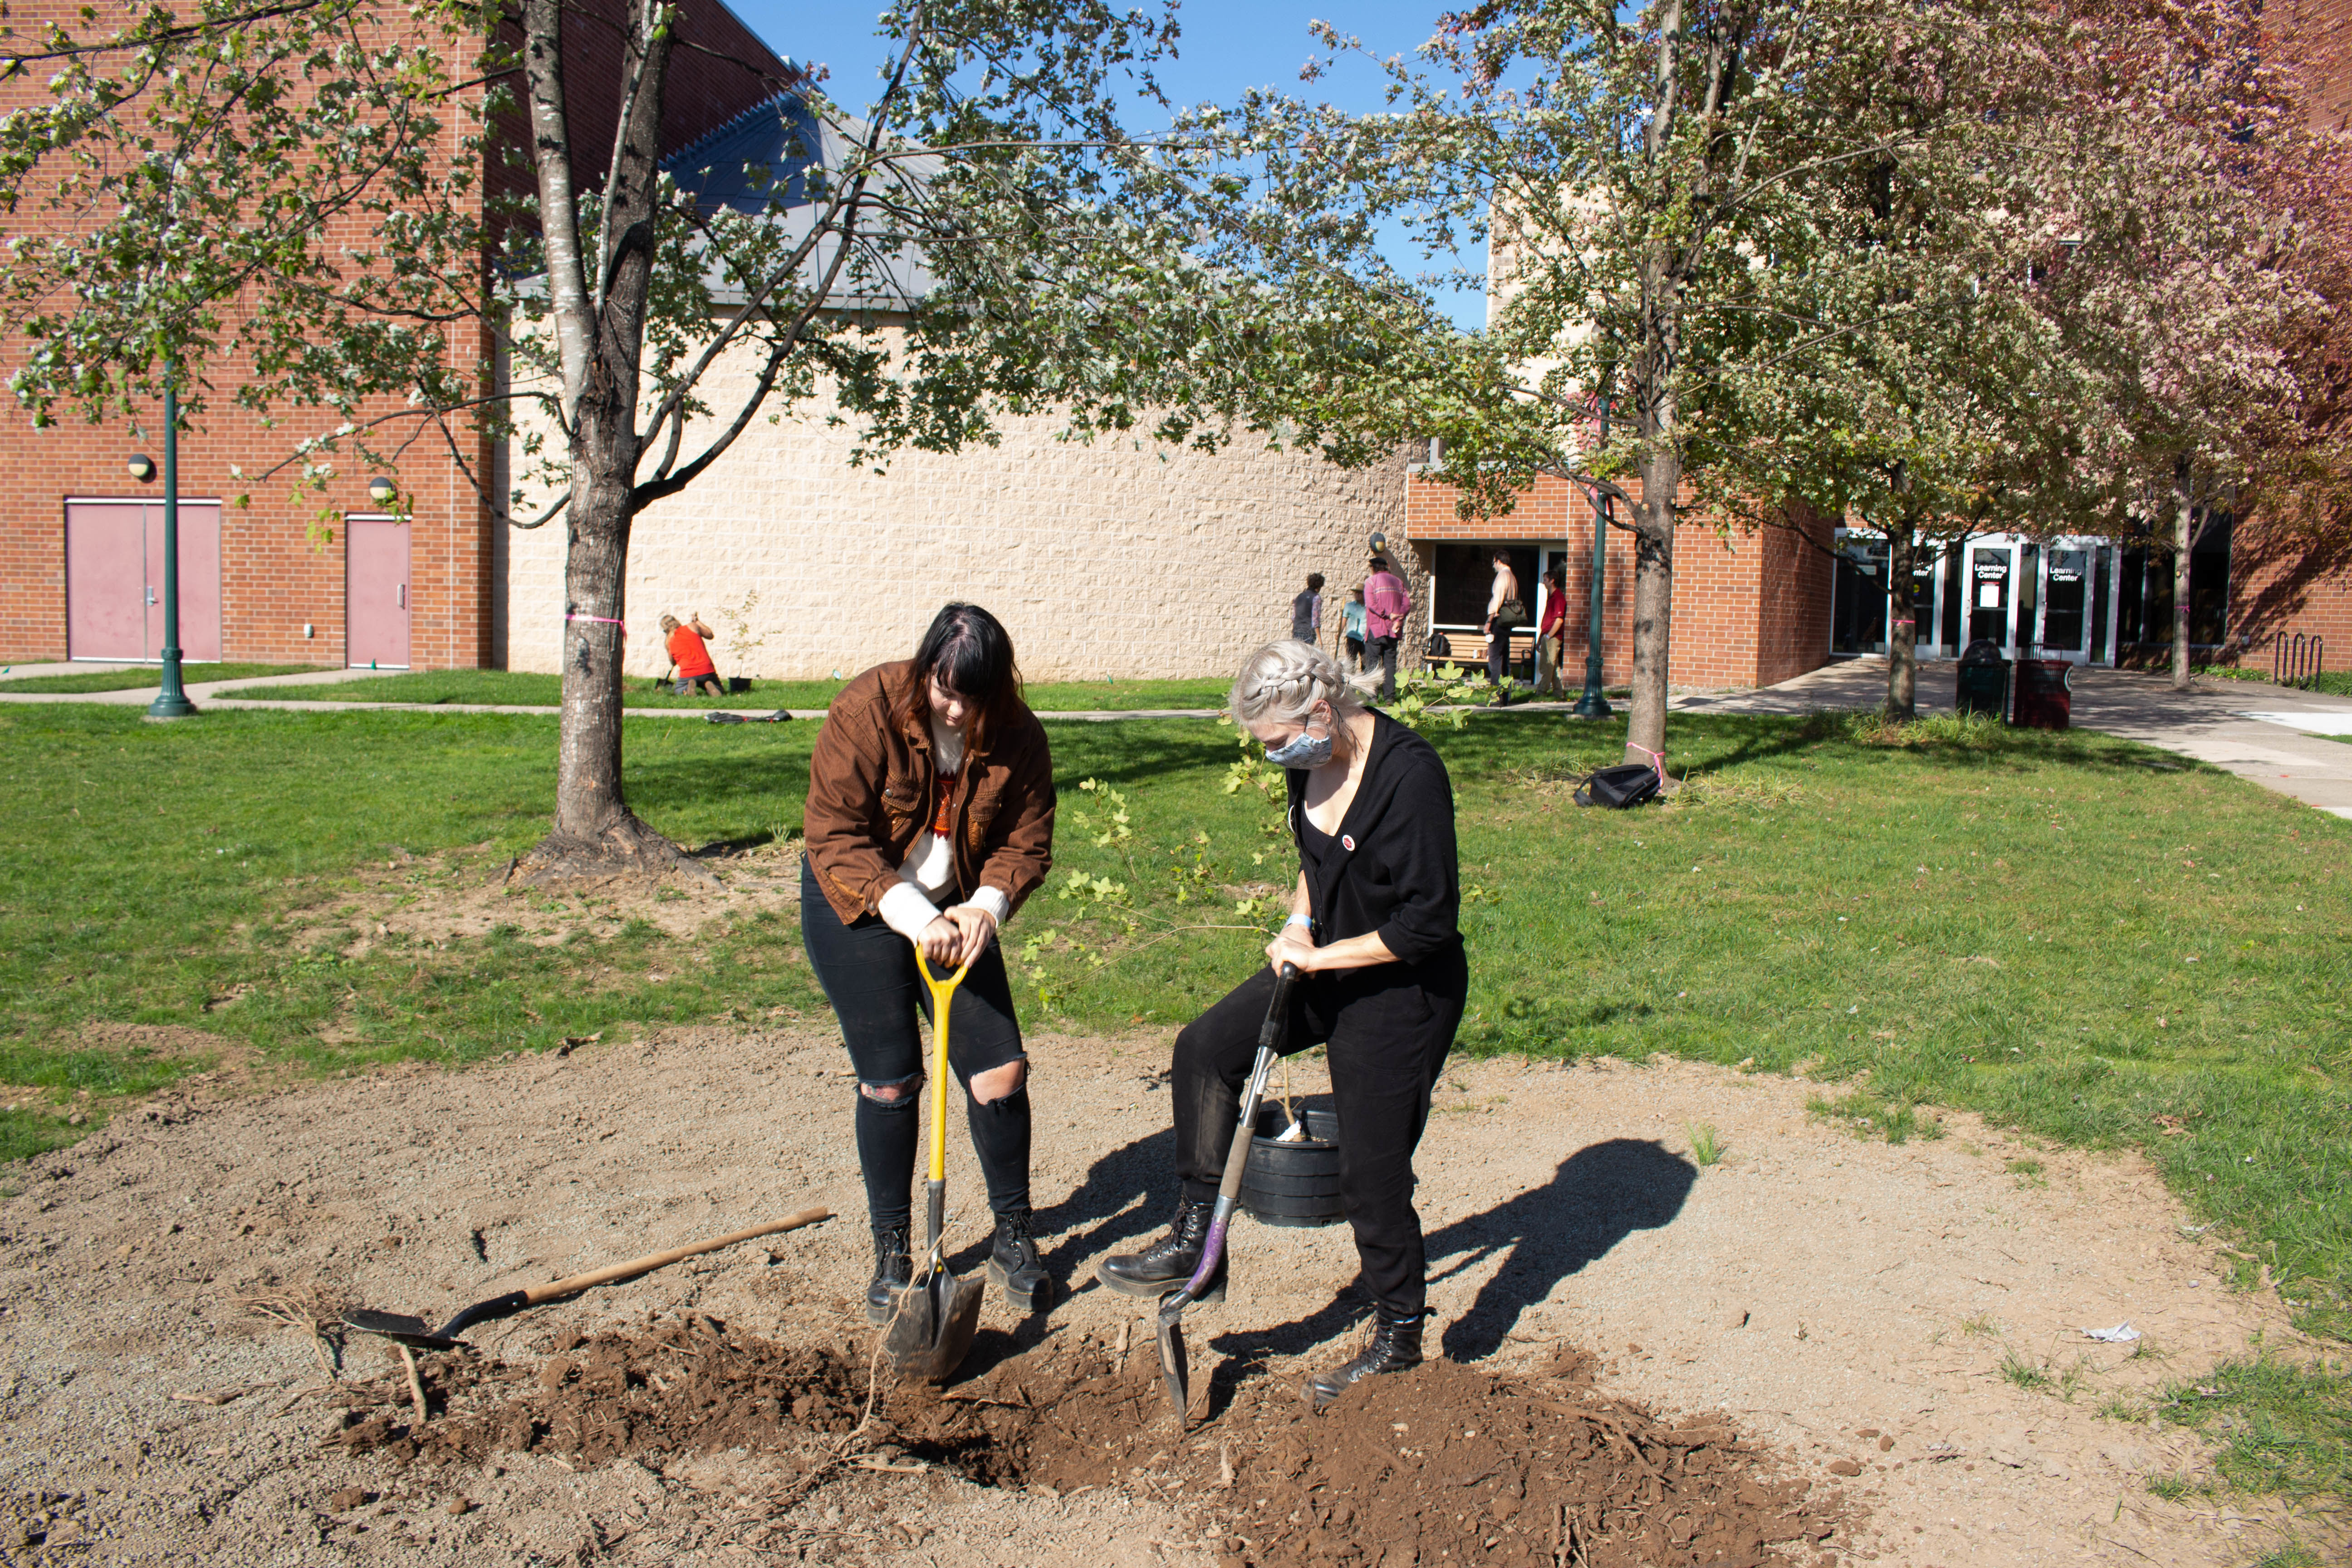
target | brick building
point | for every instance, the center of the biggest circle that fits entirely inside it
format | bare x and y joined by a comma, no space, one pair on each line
80,537
1108,560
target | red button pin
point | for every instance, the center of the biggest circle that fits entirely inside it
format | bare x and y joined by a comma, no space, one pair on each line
1348,843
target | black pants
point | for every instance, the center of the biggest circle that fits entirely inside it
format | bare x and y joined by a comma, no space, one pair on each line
868,974
1498,653
1382,652
1388,1029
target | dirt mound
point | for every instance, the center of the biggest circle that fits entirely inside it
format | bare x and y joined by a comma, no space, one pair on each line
1444,1465
1454,1464
692,1386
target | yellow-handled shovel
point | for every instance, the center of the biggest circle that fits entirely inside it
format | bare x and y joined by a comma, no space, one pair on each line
932,1321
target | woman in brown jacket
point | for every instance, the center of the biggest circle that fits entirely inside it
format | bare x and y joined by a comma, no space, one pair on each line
930,817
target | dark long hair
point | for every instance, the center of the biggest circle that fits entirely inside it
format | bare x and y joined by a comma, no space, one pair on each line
970,651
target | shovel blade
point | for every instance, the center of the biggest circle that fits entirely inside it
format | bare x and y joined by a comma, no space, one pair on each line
930,1329
400,1326
1175,1364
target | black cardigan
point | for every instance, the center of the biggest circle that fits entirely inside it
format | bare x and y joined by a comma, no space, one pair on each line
1397,872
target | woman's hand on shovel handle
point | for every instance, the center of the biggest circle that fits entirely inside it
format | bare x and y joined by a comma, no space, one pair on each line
976,927
940,941
1292,946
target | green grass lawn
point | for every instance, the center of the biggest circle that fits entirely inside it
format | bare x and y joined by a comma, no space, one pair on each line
2089,940
148,677
519,688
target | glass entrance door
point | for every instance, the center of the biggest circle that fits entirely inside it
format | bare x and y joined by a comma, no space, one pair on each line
1992,568
2066,584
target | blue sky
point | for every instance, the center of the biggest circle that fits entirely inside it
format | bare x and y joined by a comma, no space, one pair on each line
1226,46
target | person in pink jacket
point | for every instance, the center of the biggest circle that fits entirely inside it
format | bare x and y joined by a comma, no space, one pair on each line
1386,604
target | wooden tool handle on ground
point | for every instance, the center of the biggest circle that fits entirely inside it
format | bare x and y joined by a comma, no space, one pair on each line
652,1260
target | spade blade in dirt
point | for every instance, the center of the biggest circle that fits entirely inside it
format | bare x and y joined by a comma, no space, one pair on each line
421,1335
932,1327
1175,1365
415,1332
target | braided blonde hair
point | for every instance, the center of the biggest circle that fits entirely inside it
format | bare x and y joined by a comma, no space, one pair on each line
1282,683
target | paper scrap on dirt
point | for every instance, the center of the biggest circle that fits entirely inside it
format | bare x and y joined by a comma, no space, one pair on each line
1447,1462
2122,1333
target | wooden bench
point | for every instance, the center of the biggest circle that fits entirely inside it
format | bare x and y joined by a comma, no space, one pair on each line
1469,651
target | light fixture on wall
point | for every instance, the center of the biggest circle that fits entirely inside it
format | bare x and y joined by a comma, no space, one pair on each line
382,490
1380,542
142,467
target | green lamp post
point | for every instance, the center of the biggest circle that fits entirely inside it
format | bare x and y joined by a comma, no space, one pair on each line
171,698
1593,704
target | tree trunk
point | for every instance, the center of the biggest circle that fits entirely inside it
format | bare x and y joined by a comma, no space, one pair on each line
2183,539
1902,628
599,296
1654,601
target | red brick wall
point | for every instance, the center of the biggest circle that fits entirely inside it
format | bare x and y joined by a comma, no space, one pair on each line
276,576
1749,608
2315,37
2281,585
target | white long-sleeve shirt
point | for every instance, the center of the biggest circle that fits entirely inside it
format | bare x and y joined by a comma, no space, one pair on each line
928,871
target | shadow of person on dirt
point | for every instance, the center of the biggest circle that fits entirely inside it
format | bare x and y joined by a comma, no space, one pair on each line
1601,1194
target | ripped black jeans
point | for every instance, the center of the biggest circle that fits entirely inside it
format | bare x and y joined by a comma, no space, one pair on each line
868,974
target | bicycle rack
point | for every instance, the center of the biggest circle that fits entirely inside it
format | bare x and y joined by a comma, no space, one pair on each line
2293,661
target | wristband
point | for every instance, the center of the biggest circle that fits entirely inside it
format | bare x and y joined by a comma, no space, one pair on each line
1298,920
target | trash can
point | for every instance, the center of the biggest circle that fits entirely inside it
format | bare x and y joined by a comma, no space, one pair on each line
1981,684
2045,698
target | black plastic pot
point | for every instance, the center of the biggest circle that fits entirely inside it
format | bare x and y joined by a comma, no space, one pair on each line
1293,1183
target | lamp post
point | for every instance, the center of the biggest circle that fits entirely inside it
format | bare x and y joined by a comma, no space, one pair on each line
1592,704
171,698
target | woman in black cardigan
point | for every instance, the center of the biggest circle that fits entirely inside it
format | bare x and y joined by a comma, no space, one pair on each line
1372,928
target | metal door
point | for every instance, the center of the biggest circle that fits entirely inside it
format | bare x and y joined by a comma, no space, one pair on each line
375,592
200,616
1991,567
106,580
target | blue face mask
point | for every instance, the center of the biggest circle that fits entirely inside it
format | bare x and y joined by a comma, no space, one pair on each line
1308,749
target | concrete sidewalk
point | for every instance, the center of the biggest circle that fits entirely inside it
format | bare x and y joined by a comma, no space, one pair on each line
197,690
2270,734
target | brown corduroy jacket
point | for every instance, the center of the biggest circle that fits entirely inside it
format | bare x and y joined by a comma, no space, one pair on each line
871,782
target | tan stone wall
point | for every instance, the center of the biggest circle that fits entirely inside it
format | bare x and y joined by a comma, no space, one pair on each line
1100,560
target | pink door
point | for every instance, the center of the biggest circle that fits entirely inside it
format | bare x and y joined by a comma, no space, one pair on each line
106,580
375,592
200,610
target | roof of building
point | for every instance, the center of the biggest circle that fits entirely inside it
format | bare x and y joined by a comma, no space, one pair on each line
759,163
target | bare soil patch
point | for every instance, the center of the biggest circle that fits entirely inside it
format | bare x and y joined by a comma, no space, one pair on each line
1442,1462
1811,1333
431,898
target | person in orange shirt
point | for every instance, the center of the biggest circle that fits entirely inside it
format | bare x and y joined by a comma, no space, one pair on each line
689,657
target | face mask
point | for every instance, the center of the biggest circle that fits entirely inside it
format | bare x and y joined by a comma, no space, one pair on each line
1307,751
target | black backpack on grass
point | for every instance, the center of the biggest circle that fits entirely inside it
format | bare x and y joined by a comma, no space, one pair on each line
1626,785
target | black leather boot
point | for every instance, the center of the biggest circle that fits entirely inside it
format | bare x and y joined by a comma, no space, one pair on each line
1167,1263
1395,1347
894,1270
1014,1268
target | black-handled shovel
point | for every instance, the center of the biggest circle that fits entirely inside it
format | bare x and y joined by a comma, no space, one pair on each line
1175,1367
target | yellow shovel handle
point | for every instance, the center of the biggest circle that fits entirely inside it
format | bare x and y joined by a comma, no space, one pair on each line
943,997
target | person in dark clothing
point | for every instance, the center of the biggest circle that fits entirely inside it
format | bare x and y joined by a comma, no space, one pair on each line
1373,931
1306,611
